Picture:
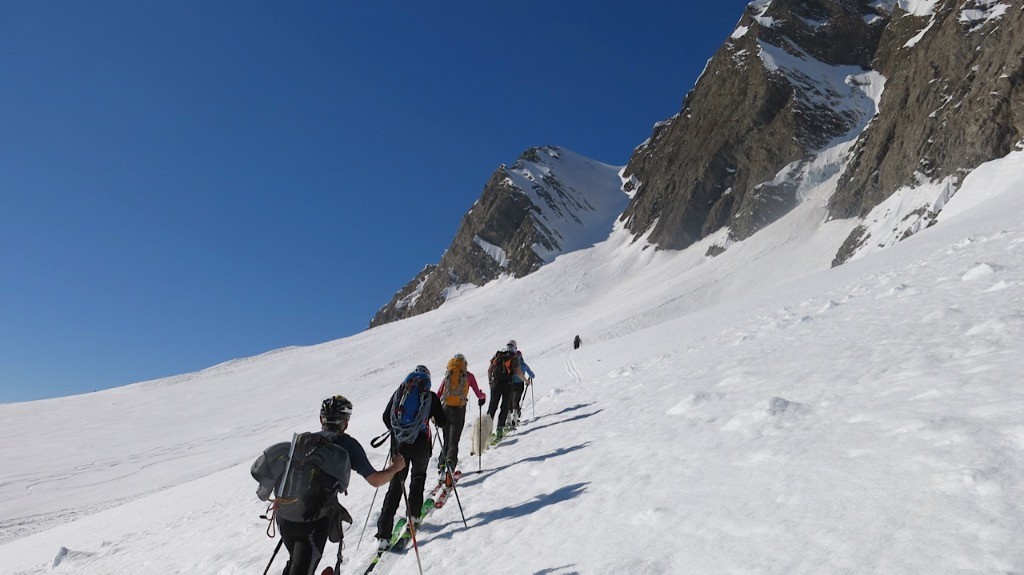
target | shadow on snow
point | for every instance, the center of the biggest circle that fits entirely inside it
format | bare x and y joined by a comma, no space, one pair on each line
480,477
521,510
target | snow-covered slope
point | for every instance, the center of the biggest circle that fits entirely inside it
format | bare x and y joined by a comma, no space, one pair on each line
756,412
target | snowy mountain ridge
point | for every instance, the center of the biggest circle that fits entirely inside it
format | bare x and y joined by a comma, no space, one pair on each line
549,202
576,199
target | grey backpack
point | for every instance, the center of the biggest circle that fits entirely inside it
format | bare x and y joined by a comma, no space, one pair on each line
303,476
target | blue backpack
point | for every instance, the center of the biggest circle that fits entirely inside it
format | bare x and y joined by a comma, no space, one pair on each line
410,407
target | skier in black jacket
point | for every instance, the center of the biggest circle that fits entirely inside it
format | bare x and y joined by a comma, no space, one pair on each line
305,540
417,451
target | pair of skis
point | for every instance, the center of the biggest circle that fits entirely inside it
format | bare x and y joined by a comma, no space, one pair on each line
401,535
514,422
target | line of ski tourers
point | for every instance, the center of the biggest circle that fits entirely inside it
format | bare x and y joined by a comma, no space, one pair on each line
301,479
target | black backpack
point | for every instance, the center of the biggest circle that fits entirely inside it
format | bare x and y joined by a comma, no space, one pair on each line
302,475
503,365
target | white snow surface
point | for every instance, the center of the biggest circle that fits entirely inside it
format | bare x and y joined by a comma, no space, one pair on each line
756,412
497,254
983,12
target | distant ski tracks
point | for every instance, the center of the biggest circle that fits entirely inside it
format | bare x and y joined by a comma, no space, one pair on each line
570,368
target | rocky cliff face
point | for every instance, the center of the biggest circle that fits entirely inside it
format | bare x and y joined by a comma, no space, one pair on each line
798,77
772,96
953,100
549,202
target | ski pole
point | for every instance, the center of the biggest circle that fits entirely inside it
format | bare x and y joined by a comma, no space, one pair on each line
370,510
412,527
457,500
437,437
533,399
276,549
479,440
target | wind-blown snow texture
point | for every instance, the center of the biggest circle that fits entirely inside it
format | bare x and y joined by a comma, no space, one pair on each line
756,412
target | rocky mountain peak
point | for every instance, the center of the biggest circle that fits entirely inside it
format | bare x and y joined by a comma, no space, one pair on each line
776,93
550,201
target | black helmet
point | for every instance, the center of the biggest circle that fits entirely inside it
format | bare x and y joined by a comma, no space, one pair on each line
335,410
422,369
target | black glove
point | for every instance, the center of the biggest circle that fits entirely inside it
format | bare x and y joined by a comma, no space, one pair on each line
482,402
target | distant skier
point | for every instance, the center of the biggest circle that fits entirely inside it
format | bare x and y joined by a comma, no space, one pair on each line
518,390
406,415
454,394
304,524
504,365
576,342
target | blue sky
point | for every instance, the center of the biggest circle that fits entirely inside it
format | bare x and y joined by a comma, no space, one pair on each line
185,183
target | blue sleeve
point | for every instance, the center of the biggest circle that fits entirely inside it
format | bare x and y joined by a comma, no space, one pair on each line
526,369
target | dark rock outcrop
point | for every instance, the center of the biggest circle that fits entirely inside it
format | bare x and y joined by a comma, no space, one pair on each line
715,163
953,100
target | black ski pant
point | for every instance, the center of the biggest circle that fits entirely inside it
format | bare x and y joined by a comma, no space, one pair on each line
452,433
501,396
518,387
417,457
305,542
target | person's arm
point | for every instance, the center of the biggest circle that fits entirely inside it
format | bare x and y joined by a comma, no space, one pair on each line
361,463
386,416
527,369
378,478
518,369
437,411
476,389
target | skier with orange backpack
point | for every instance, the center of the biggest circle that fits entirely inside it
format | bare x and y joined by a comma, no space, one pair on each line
504,365
454,394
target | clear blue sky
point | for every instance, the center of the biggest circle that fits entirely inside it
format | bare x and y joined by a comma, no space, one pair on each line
185,183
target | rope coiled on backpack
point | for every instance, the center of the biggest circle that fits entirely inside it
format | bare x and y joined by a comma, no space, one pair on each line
407,433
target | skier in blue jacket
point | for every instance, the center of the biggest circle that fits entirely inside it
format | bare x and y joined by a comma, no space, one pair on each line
519,389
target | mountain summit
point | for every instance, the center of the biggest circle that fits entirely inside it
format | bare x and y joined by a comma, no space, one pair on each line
551,201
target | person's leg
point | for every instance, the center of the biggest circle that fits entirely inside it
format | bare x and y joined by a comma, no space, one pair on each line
386,521
457,421
418,456
305,543
448,433
506,400
492,406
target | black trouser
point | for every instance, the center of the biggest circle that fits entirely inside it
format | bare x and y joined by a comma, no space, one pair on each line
501,395
305,544
452,433
518,387
417,456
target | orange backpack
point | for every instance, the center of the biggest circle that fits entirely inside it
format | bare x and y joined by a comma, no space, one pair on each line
456,384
